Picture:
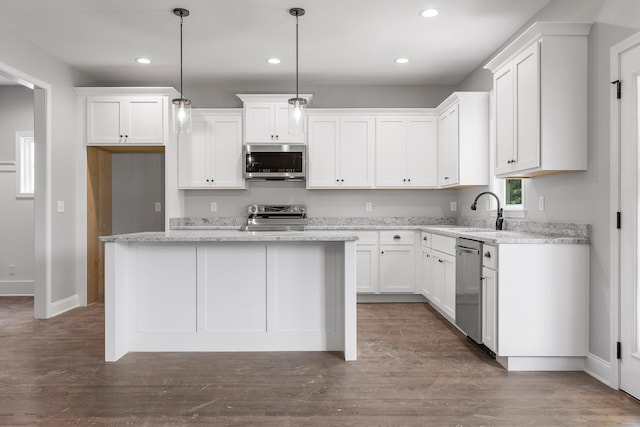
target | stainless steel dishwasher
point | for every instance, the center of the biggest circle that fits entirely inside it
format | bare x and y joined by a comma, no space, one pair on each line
469,287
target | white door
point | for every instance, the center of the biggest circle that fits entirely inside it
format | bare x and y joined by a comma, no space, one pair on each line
422,151
145,120
426,278
323,152
193,156
259,122
366,269
356,151
397,269
629,237
527,109
226,159
489,308
390,152
504,119
104,120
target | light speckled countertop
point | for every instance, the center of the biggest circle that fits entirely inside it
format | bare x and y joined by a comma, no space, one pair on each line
232,236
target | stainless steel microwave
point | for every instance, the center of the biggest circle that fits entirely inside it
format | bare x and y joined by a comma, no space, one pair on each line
263,162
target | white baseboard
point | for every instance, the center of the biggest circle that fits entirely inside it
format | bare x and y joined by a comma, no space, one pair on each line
384,298
16,287
63,305
542,363
599,369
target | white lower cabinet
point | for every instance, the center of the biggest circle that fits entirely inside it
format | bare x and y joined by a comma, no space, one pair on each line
426,273
444,283
489,308
386,262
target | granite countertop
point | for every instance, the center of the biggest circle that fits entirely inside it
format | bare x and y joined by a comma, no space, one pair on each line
232,236
516,231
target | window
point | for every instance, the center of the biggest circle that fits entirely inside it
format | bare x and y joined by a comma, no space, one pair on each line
25,164
513,193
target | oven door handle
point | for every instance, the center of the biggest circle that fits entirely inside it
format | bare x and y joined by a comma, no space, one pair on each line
468,251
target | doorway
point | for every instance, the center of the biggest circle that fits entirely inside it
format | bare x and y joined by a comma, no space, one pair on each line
625,126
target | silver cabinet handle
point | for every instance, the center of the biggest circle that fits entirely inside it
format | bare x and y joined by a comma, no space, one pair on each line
396,237
440,260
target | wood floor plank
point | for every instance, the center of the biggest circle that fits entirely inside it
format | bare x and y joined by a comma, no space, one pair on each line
414,369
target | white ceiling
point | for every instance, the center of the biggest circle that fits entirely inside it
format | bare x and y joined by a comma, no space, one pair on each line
341,41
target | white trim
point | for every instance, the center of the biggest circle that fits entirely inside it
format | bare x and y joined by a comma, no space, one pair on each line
42,201
16,287
24,138
115,91
316,112
65,304
517,363
614,204
272,97
599,369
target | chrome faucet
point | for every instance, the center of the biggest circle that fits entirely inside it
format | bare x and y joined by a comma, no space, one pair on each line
499,219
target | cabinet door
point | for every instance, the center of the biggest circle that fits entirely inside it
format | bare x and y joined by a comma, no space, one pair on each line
422,152
426,276
444,283
390,152
145,120
104,120
259,122
323,152
282,125
504,119
367,269
193,155
356,152
397,269
226,157
448,145
527,109
489,309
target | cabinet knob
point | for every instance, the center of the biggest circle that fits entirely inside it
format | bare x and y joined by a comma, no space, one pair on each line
126,136
342,180
121,136
446,177
428,256
382,252
337,180
440,260
409,179
396,237
424,238
404,180
487,254
271,136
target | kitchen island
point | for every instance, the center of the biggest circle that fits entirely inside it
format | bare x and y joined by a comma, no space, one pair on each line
227,290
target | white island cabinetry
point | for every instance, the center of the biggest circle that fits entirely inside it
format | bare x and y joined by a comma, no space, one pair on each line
183,291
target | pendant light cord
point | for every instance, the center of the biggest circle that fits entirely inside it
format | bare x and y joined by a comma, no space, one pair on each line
297,94
181,91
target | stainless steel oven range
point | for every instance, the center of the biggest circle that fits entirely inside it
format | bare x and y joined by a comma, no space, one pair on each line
276,218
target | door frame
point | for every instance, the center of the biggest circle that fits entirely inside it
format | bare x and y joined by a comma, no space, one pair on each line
615,202
42,305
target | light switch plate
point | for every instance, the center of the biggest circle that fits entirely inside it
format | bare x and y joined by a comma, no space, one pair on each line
454,206
60,206
541,203
158,207
214,206
368,206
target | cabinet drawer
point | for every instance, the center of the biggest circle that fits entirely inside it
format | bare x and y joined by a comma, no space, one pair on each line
397,237
489,256
426,239
444,244
367,238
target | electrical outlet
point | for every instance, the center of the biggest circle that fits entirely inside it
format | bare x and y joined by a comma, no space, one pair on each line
12,270
368,206
540,203
60,206
454,206
214,206
158,207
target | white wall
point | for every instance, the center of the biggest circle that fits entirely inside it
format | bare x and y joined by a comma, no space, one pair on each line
16,215
581,196
66,266
137,183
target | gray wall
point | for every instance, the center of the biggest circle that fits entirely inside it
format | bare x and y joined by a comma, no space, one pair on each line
137,183
16,215
582,196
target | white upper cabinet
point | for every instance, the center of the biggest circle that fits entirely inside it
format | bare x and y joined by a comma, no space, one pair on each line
266,119
540,89
341,152
211,155
127,120
463,140
406,151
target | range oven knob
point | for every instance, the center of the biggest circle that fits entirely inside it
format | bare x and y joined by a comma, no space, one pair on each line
253,209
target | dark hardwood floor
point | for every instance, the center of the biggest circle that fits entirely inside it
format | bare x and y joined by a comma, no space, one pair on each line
414,369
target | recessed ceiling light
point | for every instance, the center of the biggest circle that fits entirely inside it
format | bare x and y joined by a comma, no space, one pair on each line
401,60
143,60
273,61
429,13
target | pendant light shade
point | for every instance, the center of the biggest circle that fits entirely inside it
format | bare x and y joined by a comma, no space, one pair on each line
297,105
182,105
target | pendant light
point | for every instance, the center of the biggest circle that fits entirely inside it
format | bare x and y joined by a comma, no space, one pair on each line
297,105
182,105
